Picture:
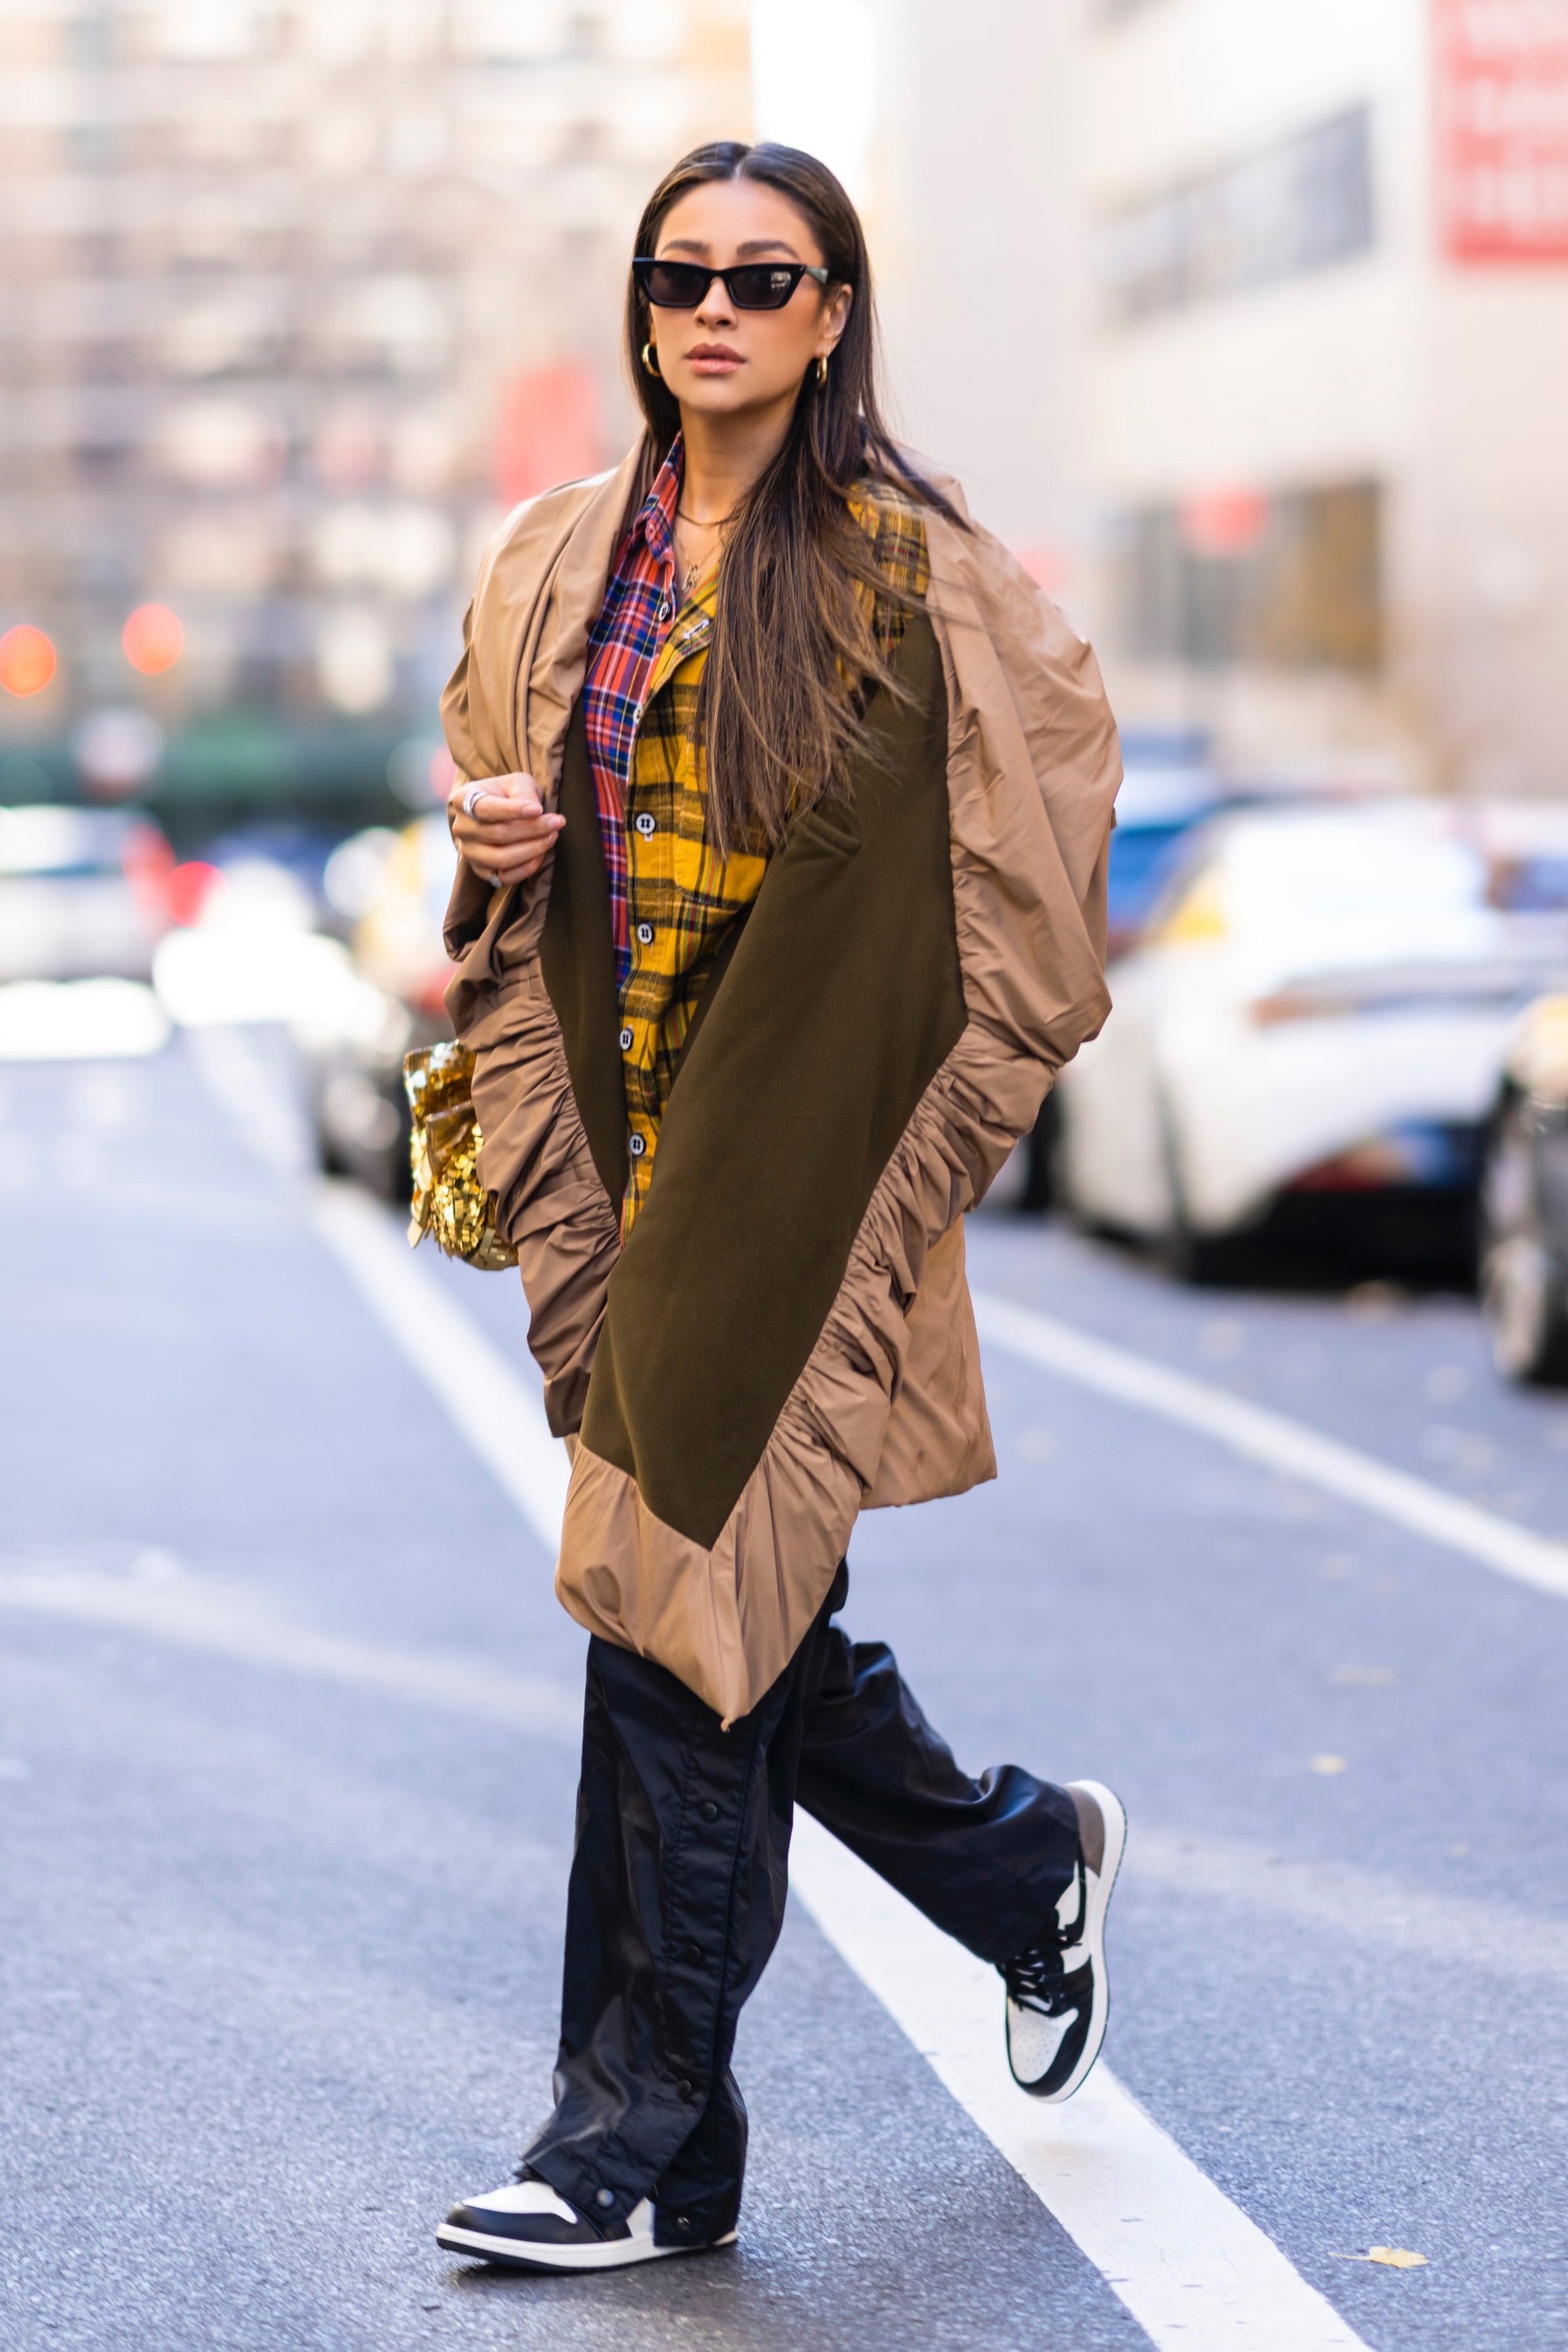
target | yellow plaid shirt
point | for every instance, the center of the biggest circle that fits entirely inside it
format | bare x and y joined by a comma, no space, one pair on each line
682,895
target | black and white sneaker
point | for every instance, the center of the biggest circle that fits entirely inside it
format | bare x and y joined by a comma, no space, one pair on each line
1057,1996
524,2225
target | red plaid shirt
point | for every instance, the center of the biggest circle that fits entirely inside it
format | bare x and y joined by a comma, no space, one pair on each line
673,896
639,605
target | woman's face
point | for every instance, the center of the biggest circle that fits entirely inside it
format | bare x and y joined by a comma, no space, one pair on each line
722,362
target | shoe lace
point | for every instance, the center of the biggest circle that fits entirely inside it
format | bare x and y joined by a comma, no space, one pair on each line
1037,1978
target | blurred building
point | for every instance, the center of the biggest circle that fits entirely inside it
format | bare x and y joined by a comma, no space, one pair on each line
972,176
1247,323
1324,384
298,294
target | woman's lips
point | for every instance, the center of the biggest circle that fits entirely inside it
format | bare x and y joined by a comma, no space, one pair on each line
713,358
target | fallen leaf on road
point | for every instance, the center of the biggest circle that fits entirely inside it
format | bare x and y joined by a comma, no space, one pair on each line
1394,2258
1325,1764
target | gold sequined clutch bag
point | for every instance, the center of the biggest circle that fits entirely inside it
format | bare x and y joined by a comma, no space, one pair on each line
449,1203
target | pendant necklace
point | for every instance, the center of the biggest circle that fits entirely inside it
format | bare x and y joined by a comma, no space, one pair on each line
694,570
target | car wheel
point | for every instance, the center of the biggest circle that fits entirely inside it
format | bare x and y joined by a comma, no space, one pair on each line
329,1156
1041,1147
397,1184
1522,1288
1204,1260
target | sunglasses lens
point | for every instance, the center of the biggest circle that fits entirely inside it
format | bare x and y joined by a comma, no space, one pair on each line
674,285
754,286
764,286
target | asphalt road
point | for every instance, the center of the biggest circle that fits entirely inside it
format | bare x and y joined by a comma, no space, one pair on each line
279,1936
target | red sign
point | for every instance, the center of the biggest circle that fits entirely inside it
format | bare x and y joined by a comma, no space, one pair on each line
547,431
1501,94
1224,521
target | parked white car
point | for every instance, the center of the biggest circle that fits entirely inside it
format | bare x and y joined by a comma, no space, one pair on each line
1322,1003
82,893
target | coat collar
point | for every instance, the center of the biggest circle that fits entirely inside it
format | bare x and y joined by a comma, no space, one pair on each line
525,641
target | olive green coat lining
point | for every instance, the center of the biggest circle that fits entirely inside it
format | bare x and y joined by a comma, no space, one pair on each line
577,956
840,1000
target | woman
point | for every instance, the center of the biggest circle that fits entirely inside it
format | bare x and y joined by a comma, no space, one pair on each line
783,806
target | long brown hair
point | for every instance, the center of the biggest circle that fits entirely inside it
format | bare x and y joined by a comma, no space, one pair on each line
793,648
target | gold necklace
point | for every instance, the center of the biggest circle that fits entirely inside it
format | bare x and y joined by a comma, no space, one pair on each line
694,571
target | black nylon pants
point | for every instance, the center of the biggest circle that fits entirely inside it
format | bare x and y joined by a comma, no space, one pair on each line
677,1887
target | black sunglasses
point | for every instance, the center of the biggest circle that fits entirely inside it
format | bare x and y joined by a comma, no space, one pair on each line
753,286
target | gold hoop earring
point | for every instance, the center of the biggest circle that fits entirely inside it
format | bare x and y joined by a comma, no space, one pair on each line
822,367
648,360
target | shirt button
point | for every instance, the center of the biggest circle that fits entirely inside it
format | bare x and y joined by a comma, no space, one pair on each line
645,935
664,608
646,825
636,1146
625,1040
710,1812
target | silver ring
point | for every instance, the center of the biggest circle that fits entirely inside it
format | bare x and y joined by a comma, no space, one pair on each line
471,792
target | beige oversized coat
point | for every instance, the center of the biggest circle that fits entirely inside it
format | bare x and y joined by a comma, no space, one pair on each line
881,1401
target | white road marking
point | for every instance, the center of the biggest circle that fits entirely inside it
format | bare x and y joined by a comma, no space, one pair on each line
1277,1443
1349,1907
1194,2272
239,1079
1356,1908
502,1421
229,1621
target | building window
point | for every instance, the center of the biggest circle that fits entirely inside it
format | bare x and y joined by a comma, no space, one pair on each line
1291,581
90,146
88,39
1300,206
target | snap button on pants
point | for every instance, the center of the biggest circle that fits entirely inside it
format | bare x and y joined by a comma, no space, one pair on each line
677,1887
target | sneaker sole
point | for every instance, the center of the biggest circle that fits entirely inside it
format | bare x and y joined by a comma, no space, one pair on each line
607,2254
1115,1818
